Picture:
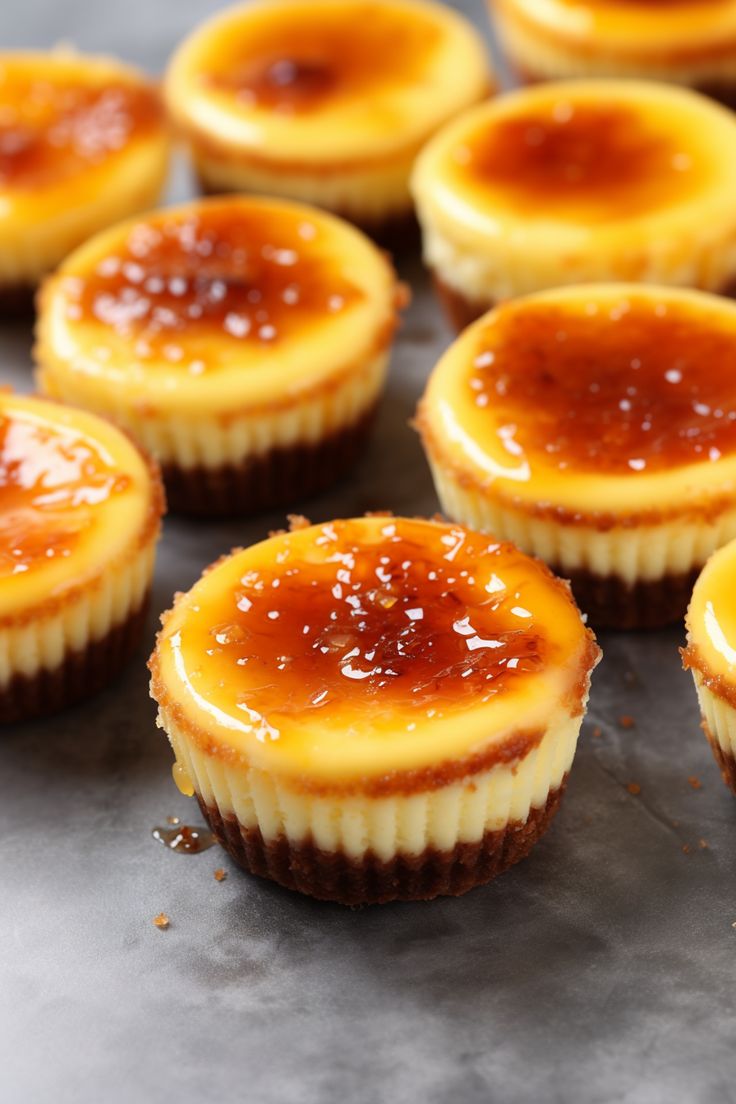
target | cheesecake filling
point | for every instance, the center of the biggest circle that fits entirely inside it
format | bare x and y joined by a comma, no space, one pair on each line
373,684
79,513
570,183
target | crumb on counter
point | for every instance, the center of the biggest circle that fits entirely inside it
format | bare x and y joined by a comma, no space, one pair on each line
597,732
634,788
695,782
173,820
626,721
161,921
220,874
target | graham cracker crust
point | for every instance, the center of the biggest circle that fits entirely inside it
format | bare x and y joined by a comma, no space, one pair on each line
80,675
279,477
612,603
334,876
17,302
725,760
459,310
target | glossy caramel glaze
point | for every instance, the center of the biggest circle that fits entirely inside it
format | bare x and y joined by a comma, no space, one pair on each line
621,388
50,482
298,61
399,623
593,160
53,128
253,274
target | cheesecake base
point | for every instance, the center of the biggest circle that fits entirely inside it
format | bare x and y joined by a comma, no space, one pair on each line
724,759
459,310
277,478
80,675
612,603
336,876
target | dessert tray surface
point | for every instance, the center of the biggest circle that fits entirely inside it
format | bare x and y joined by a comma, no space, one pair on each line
601,968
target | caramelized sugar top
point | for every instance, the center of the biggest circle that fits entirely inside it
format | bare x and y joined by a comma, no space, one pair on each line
615,388
300,59
52,129
595,161
51,481
246,273
425,618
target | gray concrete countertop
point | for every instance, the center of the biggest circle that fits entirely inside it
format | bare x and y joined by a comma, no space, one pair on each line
601,969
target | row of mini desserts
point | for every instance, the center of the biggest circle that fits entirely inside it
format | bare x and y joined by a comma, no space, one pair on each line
366,710
245,344
591,180
279,97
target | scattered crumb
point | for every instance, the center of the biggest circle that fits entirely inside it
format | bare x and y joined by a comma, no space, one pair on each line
220,874
626,721
703,845
161,921
634,788
597,732
686,848
297,521
695,782
173,820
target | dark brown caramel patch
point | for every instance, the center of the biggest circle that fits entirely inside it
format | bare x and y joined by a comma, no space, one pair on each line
591,161
242,272
297,61
51,480
401,622
51,129
616,388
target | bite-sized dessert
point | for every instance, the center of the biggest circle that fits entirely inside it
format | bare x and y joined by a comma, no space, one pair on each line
83,143
711,656
579,182
690,42
595,427
244,342
80,513
377,708
324,101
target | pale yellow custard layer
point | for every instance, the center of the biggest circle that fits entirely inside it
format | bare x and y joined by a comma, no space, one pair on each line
84,143
578,182
80,514
371,656
324,84
221,328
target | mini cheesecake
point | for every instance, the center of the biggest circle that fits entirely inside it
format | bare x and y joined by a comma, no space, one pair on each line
324,101
595,427
579,182
711,656
80,512
83,143
375,709
690,42
244,342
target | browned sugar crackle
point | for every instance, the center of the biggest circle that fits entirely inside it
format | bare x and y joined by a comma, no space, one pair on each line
80,675
279,477
724,759
612,603
334,876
